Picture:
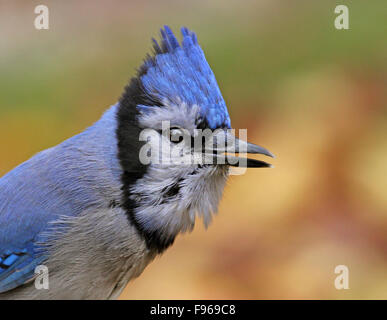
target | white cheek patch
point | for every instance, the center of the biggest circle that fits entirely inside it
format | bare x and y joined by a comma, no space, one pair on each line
198,195
169,197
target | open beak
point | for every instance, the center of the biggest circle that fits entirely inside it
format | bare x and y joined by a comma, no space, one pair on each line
226,145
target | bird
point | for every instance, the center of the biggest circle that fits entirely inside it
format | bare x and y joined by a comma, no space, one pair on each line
94,212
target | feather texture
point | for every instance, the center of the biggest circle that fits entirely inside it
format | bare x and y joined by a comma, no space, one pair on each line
180,74
81,172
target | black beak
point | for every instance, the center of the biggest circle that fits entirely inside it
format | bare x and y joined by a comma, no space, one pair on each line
225,145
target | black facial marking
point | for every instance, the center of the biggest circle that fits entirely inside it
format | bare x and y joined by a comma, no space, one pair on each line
202,124
172,191
129,146
114,204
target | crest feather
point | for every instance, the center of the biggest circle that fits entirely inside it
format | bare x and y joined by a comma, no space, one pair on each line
180,73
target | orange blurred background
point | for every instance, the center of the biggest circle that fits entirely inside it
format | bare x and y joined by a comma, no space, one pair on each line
313,95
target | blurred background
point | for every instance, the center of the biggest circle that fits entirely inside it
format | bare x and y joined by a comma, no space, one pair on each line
313,95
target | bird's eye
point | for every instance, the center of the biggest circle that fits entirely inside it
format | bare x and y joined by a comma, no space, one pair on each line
177,135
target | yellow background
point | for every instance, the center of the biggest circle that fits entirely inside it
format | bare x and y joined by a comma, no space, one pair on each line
313,95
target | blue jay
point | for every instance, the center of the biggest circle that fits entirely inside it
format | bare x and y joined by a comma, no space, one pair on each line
90,210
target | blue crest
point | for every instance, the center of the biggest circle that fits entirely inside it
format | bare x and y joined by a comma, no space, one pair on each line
180,72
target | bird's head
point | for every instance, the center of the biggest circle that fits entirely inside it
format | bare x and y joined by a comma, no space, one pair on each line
175,142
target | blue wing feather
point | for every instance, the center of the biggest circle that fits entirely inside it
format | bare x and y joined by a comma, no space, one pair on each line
29,201
19,271
55,183
19,227
18,267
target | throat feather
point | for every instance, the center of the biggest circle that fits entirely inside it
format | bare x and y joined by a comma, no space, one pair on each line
168,200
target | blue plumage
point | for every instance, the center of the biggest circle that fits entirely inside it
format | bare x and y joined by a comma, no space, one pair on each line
53,184
90,210
18,267
48,186
181,74
7,261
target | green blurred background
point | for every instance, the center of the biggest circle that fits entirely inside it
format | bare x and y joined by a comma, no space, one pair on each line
315,96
